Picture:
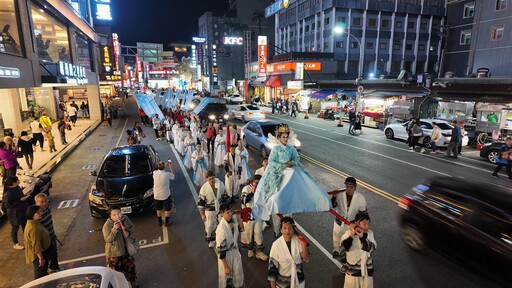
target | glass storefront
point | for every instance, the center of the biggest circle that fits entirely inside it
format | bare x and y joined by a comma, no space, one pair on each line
10,32
33,101
81,7
83,52
51,37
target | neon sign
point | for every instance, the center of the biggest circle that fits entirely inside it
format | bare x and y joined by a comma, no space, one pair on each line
103,11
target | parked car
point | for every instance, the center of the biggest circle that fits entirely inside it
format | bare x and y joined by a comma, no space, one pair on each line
467,220
399,131
125,179
248,113
491,151
214,110
234,99
92,276
255,134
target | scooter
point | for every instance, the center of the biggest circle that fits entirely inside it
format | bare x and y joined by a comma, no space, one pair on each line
329,115
33,185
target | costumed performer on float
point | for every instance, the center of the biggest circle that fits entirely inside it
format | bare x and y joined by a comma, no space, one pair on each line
285,186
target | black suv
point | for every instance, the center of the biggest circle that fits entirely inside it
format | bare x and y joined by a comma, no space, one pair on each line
214,111
125,179
469,221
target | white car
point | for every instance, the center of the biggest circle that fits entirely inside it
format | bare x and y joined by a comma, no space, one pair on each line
91,276
248,113
234,99
398,131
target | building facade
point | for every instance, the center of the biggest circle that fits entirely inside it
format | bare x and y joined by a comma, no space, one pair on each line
479,36
395,35
48,52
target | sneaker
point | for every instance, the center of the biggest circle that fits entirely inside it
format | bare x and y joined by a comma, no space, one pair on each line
262,256
423,150
433,152
18,246
410,148
211,244
250,253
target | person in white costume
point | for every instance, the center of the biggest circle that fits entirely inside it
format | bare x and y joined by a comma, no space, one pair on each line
232,175
346,202
262,169
182,135
360,244
175,129
286,255
252,236
231,272
220,148
200,165
190,146
211,195
242,157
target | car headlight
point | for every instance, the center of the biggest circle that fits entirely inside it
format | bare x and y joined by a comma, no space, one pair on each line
270,145
148,193
226,116
192,106
95,196
297,143
211,117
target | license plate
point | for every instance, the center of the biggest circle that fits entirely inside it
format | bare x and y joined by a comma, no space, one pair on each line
126,210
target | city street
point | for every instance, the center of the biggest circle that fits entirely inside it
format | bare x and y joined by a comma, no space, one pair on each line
178,256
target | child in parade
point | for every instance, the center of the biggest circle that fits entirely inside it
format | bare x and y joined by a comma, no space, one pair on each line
262,169
359,243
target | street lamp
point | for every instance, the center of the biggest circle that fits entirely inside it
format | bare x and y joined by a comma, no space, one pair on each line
341,30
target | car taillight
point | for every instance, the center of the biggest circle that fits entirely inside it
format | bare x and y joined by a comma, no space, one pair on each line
249,113
404,202
262,112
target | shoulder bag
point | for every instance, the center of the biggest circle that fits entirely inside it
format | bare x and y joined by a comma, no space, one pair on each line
132,245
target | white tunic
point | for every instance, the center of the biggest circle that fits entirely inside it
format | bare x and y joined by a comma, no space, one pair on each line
242,159
231,181
209,201
190,146
220,150
287,262
200,165
227,241
357,204
358,259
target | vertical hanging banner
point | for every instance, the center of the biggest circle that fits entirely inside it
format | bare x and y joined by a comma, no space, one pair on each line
262,56
148,104
168,98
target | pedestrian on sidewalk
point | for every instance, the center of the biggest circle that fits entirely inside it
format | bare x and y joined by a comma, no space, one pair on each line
360,244
72,111
286,255
231,272
417,133
434,137
51,141
346,202
162,191
462,134
211,195
46,122
190,147
352,117
26,147
39,248
137,132
504,158
157,125
143,117
108,115
46,220
16,205
9,157
37,133
252,235
83,110
116,230
408,129
261,170
454,140
62,131
294,108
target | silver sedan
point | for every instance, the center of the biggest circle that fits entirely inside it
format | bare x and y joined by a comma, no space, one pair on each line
248,113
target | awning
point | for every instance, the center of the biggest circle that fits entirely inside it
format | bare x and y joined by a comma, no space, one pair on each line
322,94
273,81
290,91
258,82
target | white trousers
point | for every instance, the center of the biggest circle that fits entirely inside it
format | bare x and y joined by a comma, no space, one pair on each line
252,229
210,225
358,282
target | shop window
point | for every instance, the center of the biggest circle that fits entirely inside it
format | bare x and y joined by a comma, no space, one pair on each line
339,44
501,5
81,7
465,37
9,29
51,37
497,32
83,52
469,10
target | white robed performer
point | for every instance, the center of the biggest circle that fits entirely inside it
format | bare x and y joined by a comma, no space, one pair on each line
243,161
359,243
201,138
286,187
286,256
193,128
200,164
175,129
168,124
211,194
252,236
232,170
183,135
190,147
220,148
231,272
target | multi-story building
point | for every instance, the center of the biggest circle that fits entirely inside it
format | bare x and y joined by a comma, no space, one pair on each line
395,35
48,54
479,36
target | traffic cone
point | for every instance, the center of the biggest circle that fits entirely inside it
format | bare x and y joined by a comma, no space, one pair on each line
340,123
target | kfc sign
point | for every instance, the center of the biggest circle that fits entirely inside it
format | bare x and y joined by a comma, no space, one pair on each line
233,41
262,56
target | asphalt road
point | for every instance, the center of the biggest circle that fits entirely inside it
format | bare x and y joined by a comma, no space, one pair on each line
177,256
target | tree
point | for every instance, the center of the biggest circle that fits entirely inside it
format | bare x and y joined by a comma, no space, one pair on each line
258,17
184,69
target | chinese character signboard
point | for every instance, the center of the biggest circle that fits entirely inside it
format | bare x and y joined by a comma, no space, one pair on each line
262,56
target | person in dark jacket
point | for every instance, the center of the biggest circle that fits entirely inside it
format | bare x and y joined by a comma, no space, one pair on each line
26,146
62,131
504,158
454,140
16,205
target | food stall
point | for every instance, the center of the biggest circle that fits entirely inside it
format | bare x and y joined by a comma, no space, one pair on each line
493,121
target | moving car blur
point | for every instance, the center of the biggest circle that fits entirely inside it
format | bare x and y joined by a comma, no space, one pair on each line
255,134
248,113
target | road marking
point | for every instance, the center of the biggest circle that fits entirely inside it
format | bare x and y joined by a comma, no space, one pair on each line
89,167
121,134
68,204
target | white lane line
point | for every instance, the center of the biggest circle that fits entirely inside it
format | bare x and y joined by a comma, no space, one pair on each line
122,132
318,245
185,173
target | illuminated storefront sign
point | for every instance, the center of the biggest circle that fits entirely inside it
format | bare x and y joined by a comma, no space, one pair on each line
291,66
313,66
233,41
103,11
295,85
73,74
262,56
117,49
215,70
199,39
9,72
193,62
106,60
273,8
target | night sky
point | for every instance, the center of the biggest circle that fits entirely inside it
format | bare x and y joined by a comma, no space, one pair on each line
161,21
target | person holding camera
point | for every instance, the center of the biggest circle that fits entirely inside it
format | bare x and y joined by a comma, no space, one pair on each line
162,191
359,243
116,229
